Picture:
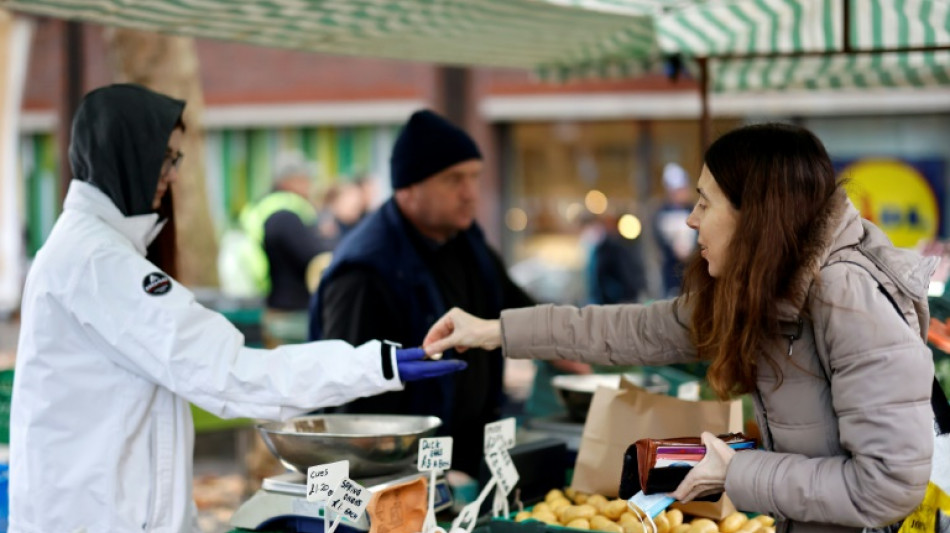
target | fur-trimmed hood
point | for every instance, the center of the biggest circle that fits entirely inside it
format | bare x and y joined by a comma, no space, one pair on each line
839,227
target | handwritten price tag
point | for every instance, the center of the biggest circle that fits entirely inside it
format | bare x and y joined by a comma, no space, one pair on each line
502,469
323,479
501,433
435,453
350,499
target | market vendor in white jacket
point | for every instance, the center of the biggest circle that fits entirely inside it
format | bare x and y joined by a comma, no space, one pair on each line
112,348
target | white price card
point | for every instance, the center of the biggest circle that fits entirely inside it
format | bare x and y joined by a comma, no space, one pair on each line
350,499
435,453
502,469
501,432
323,479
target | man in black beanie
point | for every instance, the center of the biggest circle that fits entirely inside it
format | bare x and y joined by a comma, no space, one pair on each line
416,257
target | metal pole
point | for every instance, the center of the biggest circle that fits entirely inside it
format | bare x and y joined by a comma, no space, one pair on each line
73,70
705,126
846,29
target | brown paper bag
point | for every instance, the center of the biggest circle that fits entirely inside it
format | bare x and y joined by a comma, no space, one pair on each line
619,417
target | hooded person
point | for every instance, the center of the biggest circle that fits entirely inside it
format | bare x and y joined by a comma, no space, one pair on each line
415,257
112,348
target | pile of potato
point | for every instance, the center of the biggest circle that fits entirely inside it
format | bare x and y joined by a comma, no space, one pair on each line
578,510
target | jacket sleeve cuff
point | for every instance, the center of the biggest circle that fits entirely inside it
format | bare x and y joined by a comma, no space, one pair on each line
750,479
381,357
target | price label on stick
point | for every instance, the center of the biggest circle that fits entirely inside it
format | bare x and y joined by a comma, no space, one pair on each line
322,480
349,500
500,433
435,453
502,469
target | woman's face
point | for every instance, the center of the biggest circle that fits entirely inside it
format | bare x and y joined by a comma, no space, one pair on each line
715,219
170,165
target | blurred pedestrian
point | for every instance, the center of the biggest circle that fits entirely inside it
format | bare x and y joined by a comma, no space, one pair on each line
676,239
282,223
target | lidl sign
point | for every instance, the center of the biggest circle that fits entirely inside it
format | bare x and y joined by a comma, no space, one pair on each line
903,197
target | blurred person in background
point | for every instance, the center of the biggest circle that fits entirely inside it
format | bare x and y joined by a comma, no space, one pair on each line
112,348
343,208
411,260
795,300
614,271
674,237
283,223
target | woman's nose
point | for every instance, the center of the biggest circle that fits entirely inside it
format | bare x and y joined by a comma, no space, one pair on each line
692,220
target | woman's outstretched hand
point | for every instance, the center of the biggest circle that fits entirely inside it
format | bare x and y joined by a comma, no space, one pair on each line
460,330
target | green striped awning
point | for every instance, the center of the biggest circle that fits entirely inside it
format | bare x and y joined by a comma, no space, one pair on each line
505,33
577,38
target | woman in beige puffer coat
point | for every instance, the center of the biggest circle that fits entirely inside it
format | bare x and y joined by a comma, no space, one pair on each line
794,299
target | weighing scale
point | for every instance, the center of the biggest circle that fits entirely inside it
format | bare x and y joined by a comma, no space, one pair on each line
281,504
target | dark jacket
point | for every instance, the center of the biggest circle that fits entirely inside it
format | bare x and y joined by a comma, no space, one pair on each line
386,281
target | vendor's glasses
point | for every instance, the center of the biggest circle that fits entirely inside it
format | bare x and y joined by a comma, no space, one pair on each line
171,160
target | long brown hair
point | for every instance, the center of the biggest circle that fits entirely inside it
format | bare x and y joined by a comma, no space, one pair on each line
779,177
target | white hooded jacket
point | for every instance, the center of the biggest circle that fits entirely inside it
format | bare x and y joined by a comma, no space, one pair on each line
111,351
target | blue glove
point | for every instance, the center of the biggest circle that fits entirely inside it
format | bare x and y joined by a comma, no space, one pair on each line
412,367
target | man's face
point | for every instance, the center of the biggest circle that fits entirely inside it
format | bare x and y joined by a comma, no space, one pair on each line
444,204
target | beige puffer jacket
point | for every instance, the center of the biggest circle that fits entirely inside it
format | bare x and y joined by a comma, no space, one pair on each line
849,433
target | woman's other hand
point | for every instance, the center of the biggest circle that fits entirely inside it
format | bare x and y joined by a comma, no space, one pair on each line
709,476
460,330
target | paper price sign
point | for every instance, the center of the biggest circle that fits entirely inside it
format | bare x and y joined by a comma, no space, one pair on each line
501,432
435,453
322,480
350,499
502,469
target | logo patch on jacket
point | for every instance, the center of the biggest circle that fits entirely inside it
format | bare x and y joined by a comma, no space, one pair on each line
157,283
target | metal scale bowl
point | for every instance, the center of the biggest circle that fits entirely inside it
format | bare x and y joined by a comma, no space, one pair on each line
381,449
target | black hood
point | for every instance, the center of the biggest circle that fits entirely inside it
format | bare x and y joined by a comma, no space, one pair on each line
119,137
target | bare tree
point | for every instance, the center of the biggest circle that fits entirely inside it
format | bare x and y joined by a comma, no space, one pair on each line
169,64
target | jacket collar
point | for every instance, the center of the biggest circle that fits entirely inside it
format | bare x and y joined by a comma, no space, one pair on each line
140,230
840,226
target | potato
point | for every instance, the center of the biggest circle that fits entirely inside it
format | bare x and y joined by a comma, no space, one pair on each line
614,509
579,523
602,523
541,507
632,527
558,504
733,522
703,525
768,529
574,512
662,523
675,516
522,516
682,528
570,493
553,494
626,517
547,517
765,520
597,500
750,527
580,498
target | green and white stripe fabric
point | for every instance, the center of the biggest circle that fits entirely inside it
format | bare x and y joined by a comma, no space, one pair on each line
747,27
504,33
574,38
